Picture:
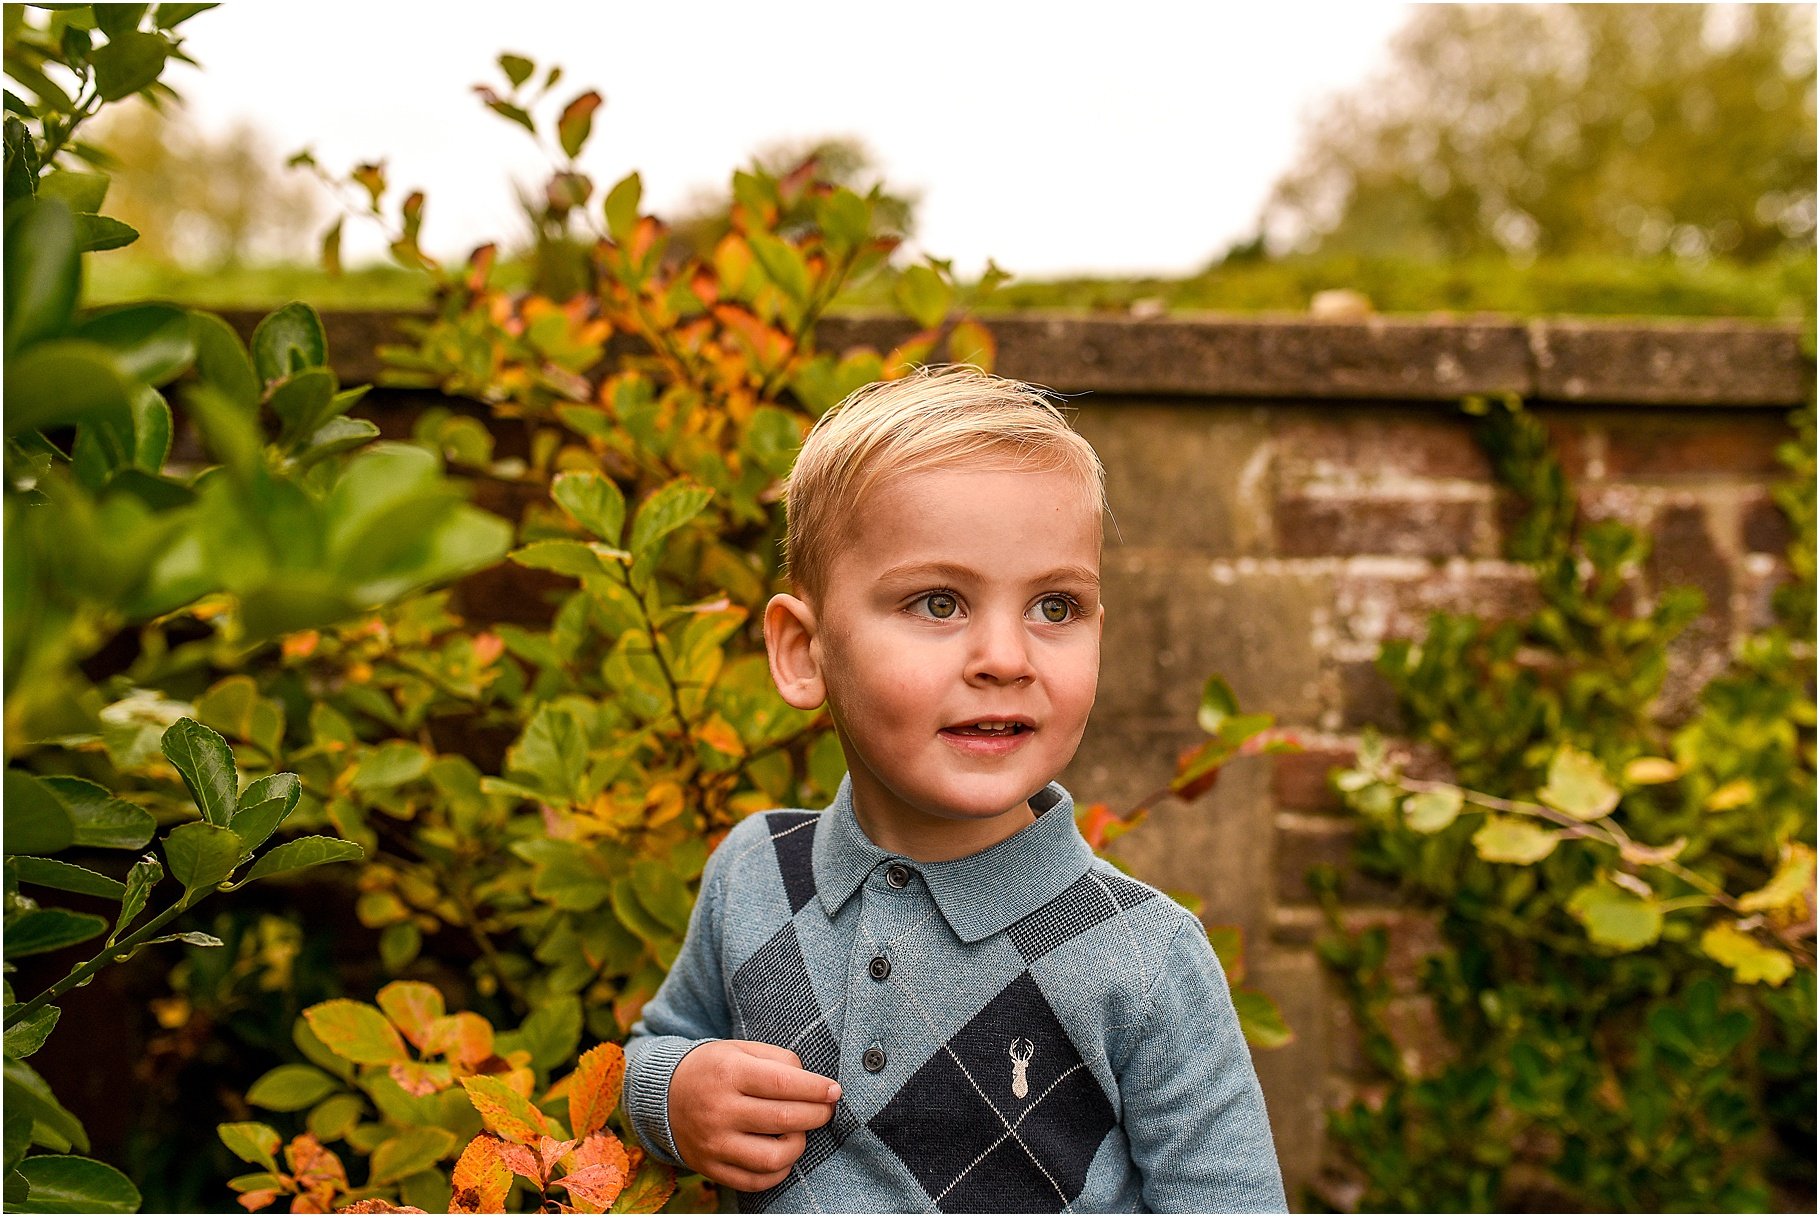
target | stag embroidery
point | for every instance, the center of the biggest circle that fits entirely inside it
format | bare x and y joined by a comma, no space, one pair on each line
1021,1052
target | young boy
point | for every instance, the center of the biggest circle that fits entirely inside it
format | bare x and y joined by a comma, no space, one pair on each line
931,995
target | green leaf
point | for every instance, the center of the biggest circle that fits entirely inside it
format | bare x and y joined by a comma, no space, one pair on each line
517,68
575,558
304,851
128,64
18,1134
924,295
621,207
357,1032
118,20
170,16
222,361
201,856
576,121
391,764
82,193
1433,810
331,1118
37,931
53,1124
594,501
1217,705
564,876
662,892
553,1031
409,1152
251,1142
254,825
553,751
64,382
207,766
37,822
66,877
1751,962
152,428
672,506
289,340
139,883
1616,918
291,1088
96,233
783,264
336,435
43,276
28,1034
64,1183
102,821
1577,784
286,786
301,402
1512,839
1260,1019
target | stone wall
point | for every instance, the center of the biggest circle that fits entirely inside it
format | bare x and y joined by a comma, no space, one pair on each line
1286,496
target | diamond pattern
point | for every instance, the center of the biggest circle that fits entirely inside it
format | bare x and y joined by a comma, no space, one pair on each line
974,1143
793,836
1082,905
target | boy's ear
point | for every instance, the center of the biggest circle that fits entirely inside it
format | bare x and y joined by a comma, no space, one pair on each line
795,657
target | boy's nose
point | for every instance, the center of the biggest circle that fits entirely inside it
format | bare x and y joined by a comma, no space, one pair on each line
999,655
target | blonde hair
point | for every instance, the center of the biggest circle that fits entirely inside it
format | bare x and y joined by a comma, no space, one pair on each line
936,417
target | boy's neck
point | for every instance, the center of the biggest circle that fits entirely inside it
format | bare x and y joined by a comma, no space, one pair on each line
939,840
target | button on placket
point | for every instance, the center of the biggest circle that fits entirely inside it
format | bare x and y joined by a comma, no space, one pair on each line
873,1059
879,968
897,875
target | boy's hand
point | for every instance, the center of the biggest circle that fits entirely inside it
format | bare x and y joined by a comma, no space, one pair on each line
739,1109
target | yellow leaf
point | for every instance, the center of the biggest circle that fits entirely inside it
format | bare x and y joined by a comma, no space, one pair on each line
1735,793
1651,771
504,1111
1578,786
1790,888
413,1007
1749,960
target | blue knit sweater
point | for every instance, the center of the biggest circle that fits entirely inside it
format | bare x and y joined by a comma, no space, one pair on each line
1023,1030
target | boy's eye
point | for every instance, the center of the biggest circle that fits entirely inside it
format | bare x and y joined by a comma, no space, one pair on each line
940,604
1056,609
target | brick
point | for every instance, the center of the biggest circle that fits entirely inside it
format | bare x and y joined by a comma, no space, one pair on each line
1298,780
1340,526
1685,556
1372,604
1653,445
1765,529
1367,698
1302,844
1757,583
1379,443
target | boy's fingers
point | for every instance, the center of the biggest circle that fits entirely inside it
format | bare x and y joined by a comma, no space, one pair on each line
767,1155
772,1116
771,1076
770,1052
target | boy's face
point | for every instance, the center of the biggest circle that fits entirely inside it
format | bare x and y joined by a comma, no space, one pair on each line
960,597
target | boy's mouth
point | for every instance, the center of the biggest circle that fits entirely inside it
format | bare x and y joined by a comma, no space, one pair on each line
991,727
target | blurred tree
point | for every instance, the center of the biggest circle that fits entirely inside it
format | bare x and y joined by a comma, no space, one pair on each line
199,200
1539,130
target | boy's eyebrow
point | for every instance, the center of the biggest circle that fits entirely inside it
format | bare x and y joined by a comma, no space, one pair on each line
953,573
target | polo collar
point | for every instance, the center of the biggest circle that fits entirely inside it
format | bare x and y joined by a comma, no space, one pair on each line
978,895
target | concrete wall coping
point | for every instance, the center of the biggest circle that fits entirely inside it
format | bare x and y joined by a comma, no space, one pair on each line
1266,357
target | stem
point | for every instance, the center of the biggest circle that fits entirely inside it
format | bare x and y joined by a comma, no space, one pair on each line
85,110
118,953
470,920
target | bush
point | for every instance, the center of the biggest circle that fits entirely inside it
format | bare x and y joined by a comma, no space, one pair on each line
1625,986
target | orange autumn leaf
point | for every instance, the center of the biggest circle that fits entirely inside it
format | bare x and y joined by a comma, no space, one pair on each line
375,1205
505,1111
413,1007
465,1038
481,1179
594,1088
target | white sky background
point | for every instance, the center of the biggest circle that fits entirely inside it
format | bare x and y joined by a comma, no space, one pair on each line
1117,137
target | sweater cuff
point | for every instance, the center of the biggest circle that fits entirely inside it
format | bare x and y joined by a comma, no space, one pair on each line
648,1093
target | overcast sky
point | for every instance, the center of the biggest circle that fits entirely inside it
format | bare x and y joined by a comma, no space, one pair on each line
1112,137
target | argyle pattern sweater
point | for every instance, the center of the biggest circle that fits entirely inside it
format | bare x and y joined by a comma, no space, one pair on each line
1023,1030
